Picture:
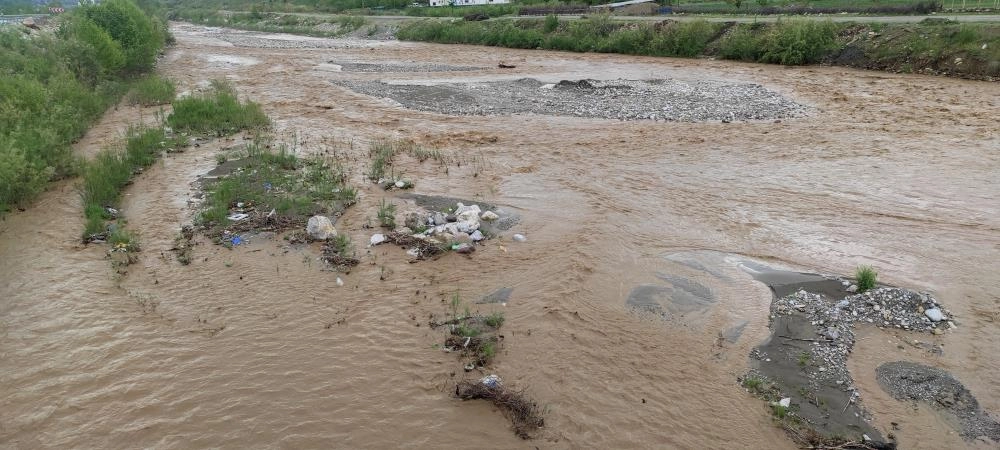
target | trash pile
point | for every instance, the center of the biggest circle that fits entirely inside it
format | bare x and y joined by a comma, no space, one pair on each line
429,233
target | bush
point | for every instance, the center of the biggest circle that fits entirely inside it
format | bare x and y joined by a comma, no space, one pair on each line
786,42
54,85
140,36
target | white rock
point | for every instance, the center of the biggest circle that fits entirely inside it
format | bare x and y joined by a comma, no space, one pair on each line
852,288
477,236
489,216
400,184
340,282
934,314
843,304
377,239
462,209
468,226
519,238
320,228
786,402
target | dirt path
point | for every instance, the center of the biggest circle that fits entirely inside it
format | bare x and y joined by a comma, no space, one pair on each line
258,347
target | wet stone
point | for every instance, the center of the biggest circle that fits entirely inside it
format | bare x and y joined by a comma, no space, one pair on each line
501,295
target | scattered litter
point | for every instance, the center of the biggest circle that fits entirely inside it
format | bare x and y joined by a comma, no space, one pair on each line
470,367
236,240
786,402
237,217
111,212
340,282
492,381
377,239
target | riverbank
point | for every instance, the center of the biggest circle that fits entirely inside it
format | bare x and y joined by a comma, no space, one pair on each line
938,47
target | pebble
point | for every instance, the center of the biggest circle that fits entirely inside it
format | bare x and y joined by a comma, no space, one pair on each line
934,314
519,238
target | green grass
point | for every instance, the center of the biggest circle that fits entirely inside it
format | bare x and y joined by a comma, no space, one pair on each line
218,112
275,178
152,90
122,239
495,320
268,22
487,352
598,33
866,278
342,244
466,330
112,169
382,152
753,384
387,214
780,412
804,358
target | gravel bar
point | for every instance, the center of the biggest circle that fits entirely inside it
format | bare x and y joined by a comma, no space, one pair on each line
668,100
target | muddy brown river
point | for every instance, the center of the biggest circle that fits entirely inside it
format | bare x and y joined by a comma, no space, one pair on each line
258,347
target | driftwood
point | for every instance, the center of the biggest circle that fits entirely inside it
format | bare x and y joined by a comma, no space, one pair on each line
524,414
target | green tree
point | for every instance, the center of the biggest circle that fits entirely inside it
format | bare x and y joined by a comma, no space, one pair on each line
140,36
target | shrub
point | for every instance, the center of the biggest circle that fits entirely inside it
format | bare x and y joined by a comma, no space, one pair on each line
140,36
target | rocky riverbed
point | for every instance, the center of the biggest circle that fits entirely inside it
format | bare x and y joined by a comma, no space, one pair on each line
659,100
909,381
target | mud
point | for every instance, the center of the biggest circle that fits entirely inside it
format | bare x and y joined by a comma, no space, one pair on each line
258,346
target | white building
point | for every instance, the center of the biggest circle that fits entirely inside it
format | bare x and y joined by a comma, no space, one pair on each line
467,2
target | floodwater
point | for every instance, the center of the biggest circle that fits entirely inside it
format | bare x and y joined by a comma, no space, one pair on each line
258,347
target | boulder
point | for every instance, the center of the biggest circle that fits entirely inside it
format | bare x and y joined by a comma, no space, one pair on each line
320,228
489,216
934,314
377,239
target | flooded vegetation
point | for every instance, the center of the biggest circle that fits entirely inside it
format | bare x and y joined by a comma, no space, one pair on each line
309,271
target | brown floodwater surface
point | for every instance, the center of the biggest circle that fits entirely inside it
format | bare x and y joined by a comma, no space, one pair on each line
258,346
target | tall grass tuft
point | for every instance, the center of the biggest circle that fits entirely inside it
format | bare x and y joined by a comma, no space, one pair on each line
152,90
218,111
866,278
